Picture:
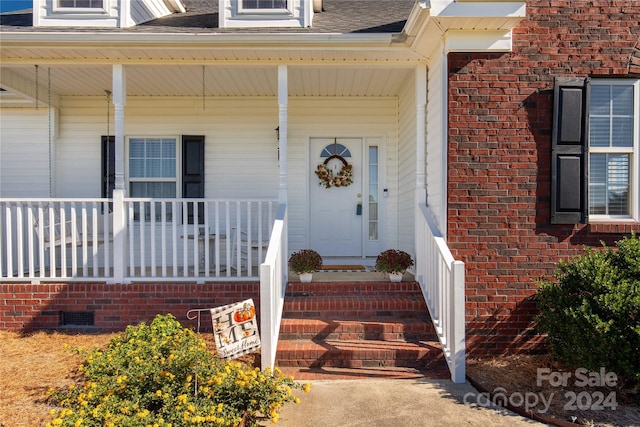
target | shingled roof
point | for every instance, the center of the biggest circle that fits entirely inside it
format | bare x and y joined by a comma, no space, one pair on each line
338,16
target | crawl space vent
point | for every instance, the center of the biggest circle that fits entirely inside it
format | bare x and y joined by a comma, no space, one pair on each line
77,318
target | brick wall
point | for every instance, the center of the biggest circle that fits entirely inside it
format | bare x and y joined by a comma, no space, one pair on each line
25,307
500,116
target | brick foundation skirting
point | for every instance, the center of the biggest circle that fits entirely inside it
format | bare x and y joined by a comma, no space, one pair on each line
27,307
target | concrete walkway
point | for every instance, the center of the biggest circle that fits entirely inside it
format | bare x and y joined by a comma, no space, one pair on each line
382,403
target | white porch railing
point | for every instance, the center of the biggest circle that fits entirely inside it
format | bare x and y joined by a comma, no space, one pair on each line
55,239
273,280
164,239
183,239
442,281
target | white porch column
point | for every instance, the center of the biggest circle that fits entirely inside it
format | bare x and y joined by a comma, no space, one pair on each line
420,193
421,117
119,102
283,99
443,221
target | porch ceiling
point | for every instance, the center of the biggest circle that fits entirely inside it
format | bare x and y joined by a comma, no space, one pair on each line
20,86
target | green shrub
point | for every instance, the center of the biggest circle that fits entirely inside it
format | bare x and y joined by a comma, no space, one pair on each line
163,375
591,312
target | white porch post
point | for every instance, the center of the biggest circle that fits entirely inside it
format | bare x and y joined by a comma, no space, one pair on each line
421,115
119,101
421,160
444,220
283,99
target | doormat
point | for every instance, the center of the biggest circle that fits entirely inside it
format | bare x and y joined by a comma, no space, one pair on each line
343,267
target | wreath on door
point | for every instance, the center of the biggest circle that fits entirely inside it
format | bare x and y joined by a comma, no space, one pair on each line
327,178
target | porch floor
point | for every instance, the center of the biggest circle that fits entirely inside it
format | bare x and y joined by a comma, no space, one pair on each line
341,269
350,276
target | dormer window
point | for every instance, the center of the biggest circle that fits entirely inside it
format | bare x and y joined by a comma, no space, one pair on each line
81,4
265,13
101,13
267,5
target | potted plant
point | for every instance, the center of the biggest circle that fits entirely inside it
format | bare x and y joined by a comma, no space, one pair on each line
394,262
304,262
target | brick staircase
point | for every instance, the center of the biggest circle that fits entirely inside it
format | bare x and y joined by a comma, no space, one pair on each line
338,330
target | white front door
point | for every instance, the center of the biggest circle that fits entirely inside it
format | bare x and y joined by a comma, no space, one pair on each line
336,211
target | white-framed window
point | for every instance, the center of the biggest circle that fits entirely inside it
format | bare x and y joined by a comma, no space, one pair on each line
153,165
373,164
153,171
263,6
614,149
81,4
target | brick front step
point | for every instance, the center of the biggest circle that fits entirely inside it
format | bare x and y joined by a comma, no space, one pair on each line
330,373
353,289
331,307
359,354
358,330
389,329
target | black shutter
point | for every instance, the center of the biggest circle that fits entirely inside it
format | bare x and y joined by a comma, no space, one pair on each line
193,172
108,161
569,145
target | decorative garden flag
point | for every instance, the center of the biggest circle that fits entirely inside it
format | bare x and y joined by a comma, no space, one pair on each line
235,328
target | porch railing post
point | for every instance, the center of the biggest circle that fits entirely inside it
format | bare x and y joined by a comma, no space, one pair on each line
283,100
119,252
119,102
458,309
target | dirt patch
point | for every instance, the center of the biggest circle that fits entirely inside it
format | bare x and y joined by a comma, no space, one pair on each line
545,387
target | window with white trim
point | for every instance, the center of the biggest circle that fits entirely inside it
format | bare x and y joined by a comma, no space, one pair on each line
614,122
263,4
81,4
152,172
152,167
159,168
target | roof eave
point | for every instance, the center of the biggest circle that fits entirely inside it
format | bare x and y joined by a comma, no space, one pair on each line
115,40
489,23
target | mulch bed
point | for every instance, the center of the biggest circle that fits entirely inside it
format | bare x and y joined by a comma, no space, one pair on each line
538,387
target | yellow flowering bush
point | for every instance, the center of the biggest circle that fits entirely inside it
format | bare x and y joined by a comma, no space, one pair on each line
163,375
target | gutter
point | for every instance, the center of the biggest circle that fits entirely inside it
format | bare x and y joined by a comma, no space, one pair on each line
164,40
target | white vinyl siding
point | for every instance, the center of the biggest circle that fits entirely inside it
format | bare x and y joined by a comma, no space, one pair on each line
233,144
241,155
613,149
437,140
406,168
148,10
24,152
